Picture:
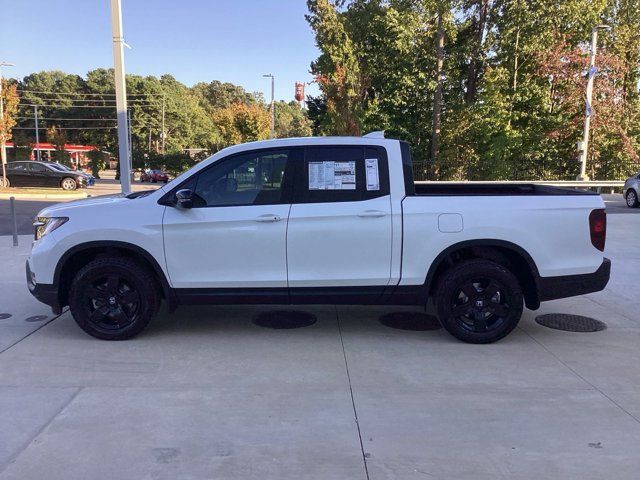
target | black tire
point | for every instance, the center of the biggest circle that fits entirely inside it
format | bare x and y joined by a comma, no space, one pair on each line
113,298
632,198
479,301
68,183
4,182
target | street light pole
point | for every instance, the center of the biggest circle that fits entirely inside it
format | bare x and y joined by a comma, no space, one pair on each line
583,146
121,96
35,117
3,148
273,106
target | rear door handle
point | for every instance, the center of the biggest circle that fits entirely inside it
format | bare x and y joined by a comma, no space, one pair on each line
269,217
372,213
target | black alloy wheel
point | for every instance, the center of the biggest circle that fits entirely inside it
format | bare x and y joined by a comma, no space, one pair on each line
111,303
479,301
114,298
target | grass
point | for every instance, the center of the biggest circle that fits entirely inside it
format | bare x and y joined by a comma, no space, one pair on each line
39,190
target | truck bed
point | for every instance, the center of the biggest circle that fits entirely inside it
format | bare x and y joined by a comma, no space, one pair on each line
492,189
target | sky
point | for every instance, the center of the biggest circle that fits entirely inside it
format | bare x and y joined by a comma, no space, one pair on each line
194,40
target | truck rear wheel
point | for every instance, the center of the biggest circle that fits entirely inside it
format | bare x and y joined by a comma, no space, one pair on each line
479,301
113,298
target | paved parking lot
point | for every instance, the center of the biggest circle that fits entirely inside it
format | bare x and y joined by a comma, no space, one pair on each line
205,393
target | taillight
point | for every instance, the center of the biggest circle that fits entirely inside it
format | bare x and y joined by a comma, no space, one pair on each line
598,228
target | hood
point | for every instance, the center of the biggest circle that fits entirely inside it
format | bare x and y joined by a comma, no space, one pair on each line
66,208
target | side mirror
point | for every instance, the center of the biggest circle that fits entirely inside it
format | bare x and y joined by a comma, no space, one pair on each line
184,198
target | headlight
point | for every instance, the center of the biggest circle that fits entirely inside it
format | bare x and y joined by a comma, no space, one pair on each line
46,225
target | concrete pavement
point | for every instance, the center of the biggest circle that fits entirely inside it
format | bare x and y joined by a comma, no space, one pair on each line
205,393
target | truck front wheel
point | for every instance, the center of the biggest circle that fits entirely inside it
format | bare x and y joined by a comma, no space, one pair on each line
113,298
479,301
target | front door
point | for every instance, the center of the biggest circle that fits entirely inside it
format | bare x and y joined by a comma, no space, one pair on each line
41,176
339,232
235,234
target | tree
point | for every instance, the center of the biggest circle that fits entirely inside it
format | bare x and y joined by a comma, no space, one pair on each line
291,120
59,139
97,162
10,108
240,123
337,70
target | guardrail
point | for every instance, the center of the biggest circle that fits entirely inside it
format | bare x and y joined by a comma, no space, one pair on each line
591,184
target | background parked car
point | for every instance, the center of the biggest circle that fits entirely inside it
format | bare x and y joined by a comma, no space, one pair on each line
154,176
631,191
91,180
41,174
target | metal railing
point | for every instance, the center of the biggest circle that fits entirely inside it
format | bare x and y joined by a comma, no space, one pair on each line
597,185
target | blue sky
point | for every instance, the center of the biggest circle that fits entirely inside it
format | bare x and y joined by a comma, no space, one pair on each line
194,40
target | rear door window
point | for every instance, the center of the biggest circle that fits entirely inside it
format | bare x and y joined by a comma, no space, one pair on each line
342,174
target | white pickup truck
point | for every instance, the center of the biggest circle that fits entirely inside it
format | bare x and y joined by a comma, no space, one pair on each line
319,221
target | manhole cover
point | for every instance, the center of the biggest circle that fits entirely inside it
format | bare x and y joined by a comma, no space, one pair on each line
284,319
4,315
410,321
36,318
570,323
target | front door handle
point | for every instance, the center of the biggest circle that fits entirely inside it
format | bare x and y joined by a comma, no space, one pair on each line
269,217
372,213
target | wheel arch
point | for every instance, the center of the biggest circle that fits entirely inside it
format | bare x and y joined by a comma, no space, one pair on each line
508,254
79,255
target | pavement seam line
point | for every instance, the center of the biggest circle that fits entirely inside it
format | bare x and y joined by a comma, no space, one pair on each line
31,333
353,403
26,445
580,376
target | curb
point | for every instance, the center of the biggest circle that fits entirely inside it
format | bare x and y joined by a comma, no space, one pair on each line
47,196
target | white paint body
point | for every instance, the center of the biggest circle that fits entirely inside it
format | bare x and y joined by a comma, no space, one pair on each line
389,240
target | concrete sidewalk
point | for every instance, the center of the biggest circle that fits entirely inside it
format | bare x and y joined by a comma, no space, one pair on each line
205,393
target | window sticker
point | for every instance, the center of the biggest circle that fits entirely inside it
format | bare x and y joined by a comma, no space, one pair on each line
373,177
332,175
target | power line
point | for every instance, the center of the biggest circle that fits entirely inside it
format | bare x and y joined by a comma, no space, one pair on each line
71,119
87,100
80,106
92,94
66,128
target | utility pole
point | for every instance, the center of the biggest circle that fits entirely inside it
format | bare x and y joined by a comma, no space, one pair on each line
121,96
583,146
130,141
273,106
163,132
35,117
3,148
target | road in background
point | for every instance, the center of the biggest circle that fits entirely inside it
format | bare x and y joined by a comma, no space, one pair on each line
26,210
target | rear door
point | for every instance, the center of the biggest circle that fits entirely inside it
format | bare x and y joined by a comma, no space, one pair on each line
339,232
41,176
18,173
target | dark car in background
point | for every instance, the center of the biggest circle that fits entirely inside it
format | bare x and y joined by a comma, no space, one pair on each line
154,176
91,180
31,173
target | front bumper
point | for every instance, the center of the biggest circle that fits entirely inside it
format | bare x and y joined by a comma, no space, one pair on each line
552,288
46,293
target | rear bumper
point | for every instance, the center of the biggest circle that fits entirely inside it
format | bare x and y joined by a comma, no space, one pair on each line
45,293
552,288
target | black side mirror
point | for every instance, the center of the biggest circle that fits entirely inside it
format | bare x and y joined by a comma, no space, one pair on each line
184,198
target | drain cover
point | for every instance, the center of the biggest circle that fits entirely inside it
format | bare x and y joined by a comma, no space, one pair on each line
410,321
4,315
284,319
570,323
36,318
